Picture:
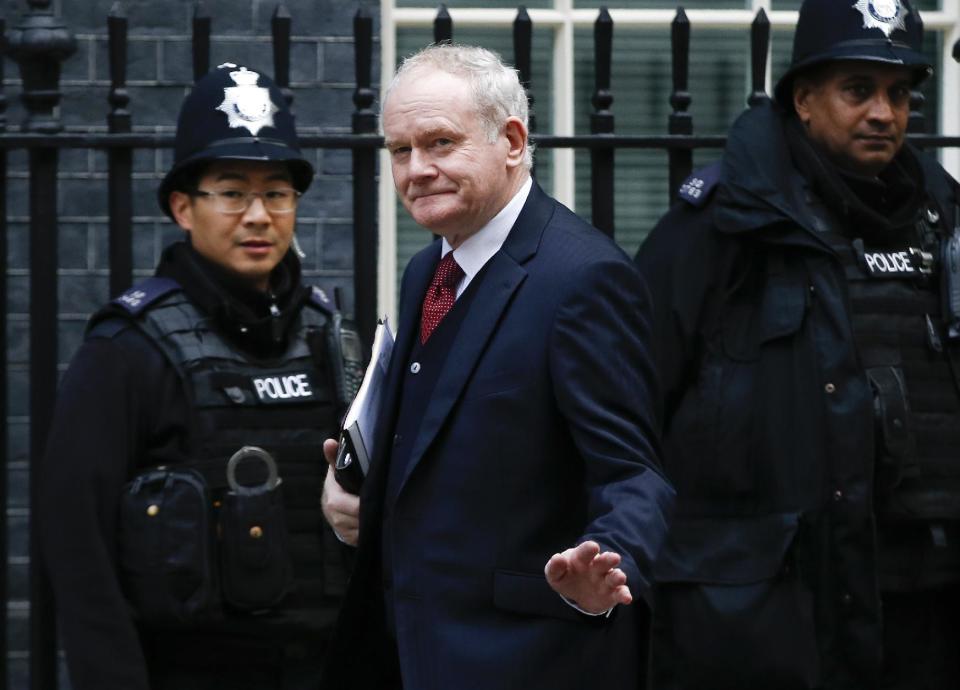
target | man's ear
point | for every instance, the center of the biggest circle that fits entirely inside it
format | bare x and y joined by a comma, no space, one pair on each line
181,206
516,134
802,91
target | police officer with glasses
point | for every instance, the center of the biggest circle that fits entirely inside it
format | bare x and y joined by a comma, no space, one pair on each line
807,329
179,506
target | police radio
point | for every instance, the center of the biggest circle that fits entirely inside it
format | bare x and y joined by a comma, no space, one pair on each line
346,360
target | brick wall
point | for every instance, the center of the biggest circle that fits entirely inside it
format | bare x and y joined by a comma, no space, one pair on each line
159,75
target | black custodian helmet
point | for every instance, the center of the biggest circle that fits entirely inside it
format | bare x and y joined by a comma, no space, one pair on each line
888,31
235,113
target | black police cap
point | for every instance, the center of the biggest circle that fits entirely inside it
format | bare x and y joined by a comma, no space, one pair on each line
887,31
235,113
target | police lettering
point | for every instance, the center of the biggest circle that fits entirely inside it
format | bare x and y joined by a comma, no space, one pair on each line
282,387
889,262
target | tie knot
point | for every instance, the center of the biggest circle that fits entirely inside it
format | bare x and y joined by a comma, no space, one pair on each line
448,272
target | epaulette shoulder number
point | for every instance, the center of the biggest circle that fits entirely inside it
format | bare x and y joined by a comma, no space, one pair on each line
143,294
697,188
321,300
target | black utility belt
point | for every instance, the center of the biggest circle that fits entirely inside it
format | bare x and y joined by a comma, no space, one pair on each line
189,555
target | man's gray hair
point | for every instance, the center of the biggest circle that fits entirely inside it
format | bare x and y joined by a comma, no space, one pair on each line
496,88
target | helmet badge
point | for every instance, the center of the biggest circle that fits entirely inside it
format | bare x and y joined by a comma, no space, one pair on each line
886,15
246,104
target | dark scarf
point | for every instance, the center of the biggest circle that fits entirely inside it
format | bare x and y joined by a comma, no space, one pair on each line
877,208
257,322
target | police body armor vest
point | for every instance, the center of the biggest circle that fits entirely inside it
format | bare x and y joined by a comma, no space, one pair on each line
285,406
898,326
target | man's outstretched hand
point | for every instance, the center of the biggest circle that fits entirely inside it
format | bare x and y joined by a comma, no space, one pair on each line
588,578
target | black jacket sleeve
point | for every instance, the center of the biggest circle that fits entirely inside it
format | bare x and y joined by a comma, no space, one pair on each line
682,261
113,404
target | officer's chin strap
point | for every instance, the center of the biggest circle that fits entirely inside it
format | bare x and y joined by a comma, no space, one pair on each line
297,250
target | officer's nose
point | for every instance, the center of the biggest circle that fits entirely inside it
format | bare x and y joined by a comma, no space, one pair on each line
256,212
881,110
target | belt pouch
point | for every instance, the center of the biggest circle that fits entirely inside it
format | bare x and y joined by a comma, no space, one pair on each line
254,559
166,547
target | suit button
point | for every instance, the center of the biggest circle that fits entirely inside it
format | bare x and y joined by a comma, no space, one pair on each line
396,439
830,388
415,368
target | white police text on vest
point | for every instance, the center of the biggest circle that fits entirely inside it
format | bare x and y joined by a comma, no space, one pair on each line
890,263
287,387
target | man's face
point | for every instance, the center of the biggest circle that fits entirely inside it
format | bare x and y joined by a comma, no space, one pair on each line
449,176
857,112
248,244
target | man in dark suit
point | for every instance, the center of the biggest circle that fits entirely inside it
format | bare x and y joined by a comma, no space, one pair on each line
517,421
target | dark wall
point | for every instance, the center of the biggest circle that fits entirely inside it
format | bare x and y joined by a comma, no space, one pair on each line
159,75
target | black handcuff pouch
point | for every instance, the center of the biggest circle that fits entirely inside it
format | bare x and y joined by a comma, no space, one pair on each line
254,556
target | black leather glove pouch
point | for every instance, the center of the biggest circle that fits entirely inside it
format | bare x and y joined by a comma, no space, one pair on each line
254,559
166,549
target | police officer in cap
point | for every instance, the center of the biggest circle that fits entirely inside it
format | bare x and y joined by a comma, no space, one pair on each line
179,506
807,327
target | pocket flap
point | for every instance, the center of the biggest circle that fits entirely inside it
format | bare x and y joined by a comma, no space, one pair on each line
530,594
489,383
782,311
748,326
723,550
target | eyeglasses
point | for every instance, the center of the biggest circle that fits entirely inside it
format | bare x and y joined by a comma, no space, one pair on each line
283,200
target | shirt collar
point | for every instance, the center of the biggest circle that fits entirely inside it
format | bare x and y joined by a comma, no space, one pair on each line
478,249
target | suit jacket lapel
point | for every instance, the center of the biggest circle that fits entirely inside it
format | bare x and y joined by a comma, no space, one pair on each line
500,279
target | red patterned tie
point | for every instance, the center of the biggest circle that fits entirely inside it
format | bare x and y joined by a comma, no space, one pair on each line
441,295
